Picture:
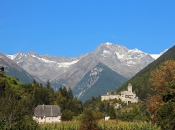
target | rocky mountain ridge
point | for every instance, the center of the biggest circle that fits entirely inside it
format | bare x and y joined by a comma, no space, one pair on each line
69,71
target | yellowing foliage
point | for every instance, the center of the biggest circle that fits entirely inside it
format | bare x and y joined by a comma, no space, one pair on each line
162,79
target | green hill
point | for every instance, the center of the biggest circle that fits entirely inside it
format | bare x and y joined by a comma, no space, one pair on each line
10,80
140,82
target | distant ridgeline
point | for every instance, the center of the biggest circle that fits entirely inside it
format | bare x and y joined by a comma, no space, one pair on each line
125,96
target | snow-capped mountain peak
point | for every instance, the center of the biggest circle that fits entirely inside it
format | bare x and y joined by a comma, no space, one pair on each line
118,56
137,50
16,56
124,61
121,52
108,43
43,66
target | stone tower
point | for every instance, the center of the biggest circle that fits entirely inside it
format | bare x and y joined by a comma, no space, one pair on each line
129,87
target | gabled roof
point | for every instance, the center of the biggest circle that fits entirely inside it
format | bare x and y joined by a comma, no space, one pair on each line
47,111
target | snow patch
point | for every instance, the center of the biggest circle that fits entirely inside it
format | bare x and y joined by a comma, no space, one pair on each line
64,64
67,64
106,52
120,56
12,57
155,56
108,43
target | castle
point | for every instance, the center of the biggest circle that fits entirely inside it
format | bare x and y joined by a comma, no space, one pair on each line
125,96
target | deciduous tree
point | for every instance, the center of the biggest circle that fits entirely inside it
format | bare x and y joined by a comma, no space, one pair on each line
163,102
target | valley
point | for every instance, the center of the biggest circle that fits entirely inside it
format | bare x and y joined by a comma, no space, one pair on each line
70,72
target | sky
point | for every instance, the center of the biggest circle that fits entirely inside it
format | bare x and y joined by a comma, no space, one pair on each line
75,27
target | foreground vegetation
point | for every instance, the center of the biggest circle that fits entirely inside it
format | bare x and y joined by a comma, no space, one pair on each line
102,125
19,100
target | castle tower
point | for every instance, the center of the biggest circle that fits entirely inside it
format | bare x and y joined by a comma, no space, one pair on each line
129,87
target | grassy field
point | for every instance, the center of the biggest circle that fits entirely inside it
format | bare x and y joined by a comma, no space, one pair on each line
102,125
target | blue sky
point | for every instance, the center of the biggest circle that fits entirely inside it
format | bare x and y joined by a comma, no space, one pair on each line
75,27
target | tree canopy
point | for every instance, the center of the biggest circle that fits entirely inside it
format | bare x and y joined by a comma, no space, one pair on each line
162,105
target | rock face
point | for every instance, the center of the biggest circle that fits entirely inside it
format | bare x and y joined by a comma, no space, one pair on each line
44,67
70,71
122,60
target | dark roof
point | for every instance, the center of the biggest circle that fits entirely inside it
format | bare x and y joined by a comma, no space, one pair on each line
47,111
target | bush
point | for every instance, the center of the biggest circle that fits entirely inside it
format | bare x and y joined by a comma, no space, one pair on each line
89,122
165,117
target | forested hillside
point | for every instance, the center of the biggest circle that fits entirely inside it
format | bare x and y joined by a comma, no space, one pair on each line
161,105
19,100
140,82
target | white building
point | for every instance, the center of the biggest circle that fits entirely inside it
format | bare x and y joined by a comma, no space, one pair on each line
47,114
125,96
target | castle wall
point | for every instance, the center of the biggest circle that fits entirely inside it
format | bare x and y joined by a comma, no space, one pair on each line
126,96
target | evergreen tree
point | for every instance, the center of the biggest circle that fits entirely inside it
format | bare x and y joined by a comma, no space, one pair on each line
67,115
165,116
48,84
112,113
34,81
70,93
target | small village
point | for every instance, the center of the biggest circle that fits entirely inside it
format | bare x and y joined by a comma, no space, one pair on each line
52,113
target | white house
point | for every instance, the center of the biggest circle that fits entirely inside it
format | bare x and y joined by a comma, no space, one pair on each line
125,96
47,114
107,118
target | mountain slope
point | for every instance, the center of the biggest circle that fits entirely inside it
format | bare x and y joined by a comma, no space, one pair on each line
75,73
13,69
140,82
69,71
100,80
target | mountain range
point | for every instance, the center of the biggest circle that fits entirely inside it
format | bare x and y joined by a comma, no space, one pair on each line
72,72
